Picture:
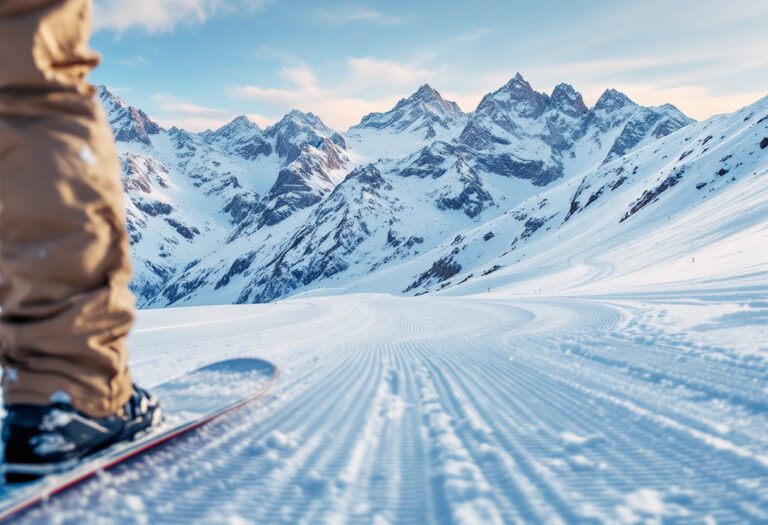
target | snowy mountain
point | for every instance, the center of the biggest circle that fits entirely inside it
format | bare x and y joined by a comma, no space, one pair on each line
187,191
527,134
413,123
242,214
423,111
312,161
654,208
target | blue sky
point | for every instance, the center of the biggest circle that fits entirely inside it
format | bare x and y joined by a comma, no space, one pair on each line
199,63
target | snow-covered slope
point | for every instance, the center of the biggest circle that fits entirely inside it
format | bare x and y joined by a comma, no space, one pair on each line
340,213
488,410
653,211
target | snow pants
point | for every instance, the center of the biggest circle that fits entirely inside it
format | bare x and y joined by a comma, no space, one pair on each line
65,307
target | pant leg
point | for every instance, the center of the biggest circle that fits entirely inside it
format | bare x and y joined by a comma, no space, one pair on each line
65,308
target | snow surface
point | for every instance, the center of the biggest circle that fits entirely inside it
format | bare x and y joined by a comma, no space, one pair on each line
622,408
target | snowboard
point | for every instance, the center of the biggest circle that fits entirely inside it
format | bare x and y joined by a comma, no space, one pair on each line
188,403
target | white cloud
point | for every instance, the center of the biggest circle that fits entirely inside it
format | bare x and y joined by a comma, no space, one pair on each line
303,84
471,36
342,14
161,15
171,104
300,76
368,85
261,120
468,100
136,61
185,114
192,123
271,96
367,72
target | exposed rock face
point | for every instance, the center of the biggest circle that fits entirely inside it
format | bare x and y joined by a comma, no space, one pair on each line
310,153
128,123
295,130
356,210
568,101
462,186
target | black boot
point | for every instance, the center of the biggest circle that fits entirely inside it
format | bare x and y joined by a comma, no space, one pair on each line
42,439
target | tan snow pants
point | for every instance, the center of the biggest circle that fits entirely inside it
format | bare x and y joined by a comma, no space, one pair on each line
65,308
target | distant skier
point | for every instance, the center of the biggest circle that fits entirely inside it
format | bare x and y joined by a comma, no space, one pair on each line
65,307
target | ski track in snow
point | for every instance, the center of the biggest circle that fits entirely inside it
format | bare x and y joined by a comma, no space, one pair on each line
451,410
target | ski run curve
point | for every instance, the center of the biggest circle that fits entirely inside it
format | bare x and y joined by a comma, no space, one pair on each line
483,409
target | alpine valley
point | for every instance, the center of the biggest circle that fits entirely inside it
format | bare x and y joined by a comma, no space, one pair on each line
425,197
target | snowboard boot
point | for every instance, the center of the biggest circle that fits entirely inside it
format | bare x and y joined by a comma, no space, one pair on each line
44,439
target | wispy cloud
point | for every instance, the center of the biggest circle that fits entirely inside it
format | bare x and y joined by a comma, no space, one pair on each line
138,60
471,36
367,72
279,55
341,14
156,16
303,86
171,104
174,111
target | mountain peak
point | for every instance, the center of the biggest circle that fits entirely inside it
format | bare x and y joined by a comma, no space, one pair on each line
128,123
424,110
567,99
518,83
612,99
302,118
297,113
426,89
242,120
109,99
296,120
565,91
516,96
517,88
426,94
240,123
240,126
296,129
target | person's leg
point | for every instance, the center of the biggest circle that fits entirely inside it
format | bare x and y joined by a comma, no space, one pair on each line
65,308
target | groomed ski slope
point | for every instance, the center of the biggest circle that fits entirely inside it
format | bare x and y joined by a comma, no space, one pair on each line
482,409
